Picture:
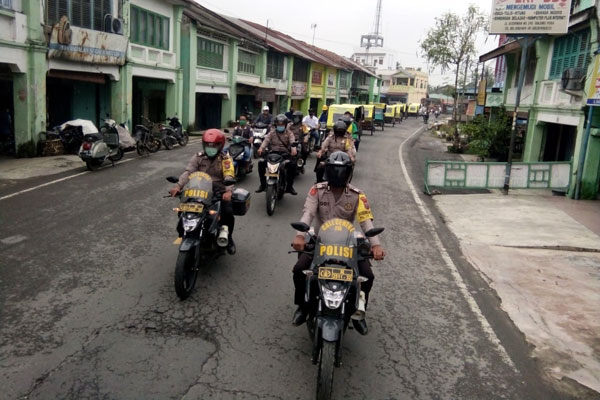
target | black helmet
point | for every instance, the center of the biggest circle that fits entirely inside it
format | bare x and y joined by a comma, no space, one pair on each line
338,169
339,128
297,117
281,119
347,120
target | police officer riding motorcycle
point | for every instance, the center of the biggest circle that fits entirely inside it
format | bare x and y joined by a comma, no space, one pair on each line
340,140
334,198
297,128
280,140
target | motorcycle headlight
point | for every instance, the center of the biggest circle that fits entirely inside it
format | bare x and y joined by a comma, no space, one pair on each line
333,298
272,168
190,222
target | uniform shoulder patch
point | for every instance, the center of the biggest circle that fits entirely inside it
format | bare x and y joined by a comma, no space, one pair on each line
322,185
354,189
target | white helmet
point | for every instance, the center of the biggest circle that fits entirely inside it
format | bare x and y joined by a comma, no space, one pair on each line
265,108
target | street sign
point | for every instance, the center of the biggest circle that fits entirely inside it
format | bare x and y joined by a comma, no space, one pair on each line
519,17
594,91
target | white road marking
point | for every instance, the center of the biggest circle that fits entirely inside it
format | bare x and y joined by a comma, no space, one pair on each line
8,196
13,239
428,218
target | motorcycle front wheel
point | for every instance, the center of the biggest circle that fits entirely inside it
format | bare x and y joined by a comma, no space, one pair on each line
169,143
140,148
326,365
185,138
271,195
153,145
186,274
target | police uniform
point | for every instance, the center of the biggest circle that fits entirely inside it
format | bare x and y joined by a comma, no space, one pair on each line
331,145
320,206
218,168
281,143
300,136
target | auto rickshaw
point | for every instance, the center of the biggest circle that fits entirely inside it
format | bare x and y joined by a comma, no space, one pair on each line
390,114
413,109
379,115
367,124
337,111
400,110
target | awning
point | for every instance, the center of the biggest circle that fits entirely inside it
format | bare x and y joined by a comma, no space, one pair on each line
500,51
256,85
78,76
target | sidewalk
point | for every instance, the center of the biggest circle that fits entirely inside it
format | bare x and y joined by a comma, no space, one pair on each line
541,254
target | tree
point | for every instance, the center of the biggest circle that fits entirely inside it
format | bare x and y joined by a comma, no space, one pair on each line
450,43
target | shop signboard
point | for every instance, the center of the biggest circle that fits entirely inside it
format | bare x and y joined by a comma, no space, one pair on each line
520,17
88,46
594,90
299,88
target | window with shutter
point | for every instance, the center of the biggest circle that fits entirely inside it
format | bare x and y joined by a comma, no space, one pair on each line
210,54
275,65
6,4
300,72
149,29
247,62
570,51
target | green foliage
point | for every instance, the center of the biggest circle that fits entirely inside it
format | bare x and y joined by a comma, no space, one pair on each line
26,150
489,138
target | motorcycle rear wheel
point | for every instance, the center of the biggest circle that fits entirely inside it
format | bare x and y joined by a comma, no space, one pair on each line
93,165
117,156
271,197
153,145
186,274
325,376
141,149
185,138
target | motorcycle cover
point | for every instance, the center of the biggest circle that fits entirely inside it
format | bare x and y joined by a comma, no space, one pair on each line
87,127
125,138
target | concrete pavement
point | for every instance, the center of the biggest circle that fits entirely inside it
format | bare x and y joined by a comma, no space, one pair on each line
541,254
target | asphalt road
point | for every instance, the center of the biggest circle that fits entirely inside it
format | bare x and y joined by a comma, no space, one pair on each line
88,309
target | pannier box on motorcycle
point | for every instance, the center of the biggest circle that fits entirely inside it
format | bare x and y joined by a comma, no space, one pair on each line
240,201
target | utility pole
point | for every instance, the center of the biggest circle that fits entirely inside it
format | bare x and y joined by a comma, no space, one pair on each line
314,28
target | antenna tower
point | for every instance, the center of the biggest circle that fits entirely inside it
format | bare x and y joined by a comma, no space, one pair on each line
374,39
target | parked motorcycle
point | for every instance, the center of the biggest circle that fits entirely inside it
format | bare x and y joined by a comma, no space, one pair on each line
97,147
241,163
204,239
259,131
146,142
173,133
333,291
71,134
276,178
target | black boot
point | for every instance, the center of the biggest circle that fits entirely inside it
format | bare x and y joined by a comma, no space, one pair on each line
299,316
290,190
261,188
231,246
361,326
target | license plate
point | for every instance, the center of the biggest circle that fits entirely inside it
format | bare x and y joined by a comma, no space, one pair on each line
268,175
335,274
191,207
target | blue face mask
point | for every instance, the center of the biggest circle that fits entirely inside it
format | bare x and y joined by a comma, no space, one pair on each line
280,129
211,151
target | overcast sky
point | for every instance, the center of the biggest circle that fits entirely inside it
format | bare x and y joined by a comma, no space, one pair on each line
340,23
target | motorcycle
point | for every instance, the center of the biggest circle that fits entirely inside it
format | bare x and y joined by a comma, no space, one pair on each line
96,147
259,131
173,133
276,178
146,142
241,163
204,239
322,134
333,291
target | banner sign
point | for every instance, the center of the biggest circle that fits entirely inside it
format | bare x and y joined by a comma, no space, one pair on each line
517,17
481,92
594,91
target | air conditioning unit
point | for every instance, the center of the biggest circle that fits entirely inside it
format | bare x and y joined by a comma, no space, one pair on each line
572,79
113,25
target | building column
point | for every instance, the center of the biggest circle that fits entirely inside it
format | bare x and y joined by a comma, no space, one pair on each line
263,73
121,96
337,87
306,102
228,106
189,56
290,75
174,97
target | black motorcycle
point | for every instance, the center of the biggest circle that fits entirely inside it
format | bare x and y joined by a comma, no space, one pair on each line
322,134
146,141
276,174
204,238
173,133
333,291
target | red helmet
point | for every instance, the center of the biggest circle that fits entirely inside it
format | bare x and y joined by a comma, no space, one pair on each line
213,138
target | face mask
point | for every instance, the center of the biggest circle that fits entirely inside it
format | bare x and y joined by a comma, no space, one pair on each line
211,151
280,129
243,122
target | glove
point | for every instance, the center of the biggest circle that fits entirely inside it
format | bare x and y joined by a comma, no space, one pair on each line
174,191
294,152
378,252
227,196
299,243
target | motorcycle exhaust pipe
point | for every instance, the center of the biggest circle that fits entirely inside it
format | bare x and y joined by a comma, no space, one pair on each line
223,237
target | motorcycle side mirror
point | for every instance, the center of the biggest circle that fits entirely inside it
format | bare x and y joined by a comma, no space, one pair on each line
374,232
229,181
300,226
172,179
